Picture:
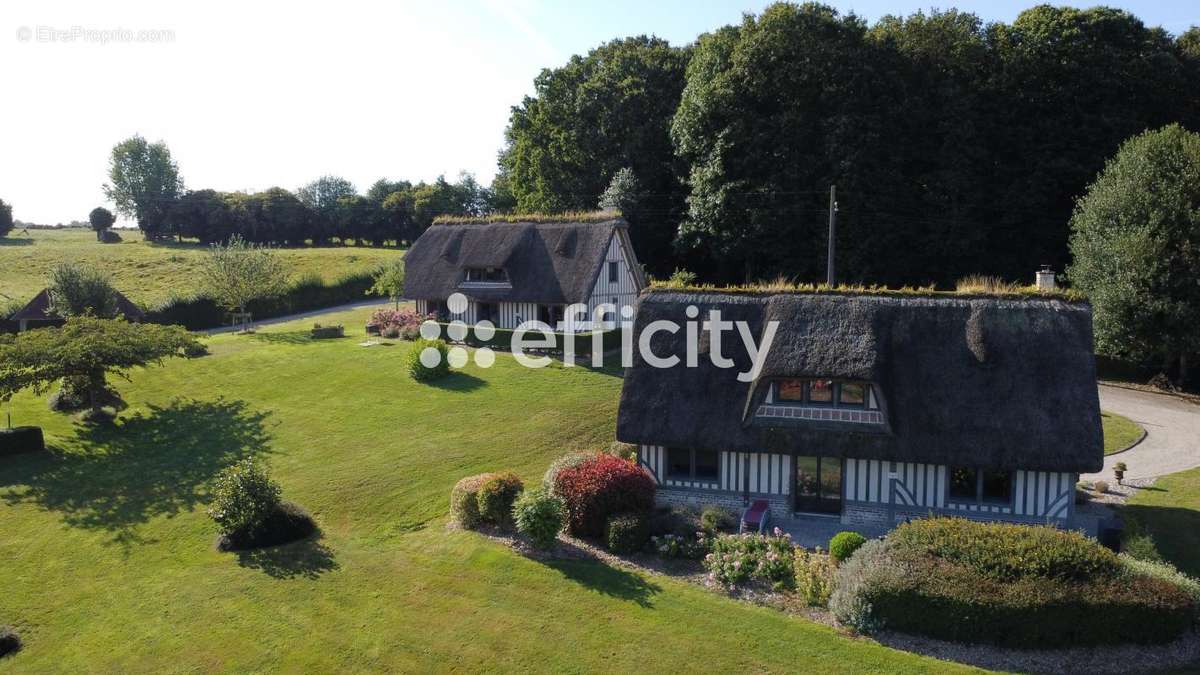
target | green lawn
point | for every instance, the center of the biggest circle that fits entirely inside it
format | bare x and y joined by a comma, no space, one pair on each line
1119,432
109,562
148,273
1170,511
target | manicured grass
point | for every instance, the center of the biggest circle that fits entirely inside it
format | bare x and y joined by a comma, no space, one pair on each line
1170,512
109,562
149,273
1119,432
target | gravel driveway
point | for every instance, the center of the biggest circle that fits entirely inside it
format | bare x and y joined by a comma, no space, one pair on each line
1172,440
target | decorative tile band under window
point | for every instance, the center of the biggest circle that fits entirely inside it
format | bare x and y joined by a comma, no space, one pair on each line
821,414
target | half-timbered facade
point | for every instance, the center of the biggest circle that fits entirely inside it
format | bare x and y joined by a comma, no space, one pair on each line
873,408
513,273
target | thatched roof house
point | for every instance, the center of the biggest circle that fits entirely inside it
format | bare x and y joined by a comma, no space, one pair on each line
515,270
37,314
874,405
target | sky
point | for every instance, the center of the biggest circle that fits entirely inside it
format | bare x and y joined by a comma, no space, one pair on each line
250,95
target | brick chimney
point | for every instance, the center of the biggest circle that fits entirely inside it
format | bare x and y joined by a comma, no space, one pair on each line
1045,279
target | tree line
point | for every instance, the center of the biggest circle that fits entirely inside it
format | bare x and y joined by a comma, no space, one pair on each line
145,184
957,147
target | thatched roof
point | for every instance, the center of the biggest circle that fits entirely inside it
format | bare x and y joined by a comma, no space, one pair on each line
38,309
997,382
547,262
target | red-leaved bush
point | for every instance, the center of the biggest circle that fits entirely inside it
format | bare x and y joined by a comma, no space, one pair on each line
599,487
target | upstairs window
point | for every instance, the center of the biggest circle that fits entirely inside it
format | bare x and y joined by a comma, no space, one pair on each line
613,269
822,392
852,394
791,391
486,274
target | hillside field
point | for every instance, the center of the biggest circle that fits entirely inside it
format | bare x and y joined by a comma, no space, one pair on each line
149,273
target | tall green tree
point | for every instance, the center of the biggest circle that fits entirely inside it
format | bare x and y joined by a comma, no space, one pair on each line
321,197
6,219
599,113
101,219
144,183
1135,235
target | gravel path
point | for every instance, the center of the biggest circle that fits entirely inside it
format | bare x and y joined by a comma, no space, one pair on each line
1172,427
306,315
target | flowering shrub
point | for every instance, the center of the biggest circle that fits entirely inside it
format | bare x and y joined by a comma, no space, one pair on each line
243,498
738,558
539,516
397,322
464,502
670,546
814,576
496,496
599,487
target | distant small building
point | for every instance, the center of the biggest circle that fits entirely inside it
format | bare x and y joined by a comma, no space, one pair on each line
514,272
873,408
37,314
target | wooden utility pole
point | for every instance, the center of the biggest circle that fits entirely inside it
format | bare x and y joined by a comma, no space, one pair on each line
829,276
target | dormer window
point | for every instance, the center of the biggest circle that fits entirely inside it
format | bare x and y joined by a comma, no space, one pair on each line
822,392
486,274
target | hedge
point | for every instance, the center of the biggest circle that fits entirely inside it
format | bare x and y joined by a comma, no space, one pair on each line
503,338
198,312
20,440
1012,585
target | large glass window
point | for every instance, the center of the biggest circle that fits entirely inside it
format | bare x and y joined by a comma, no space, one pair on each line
486,274
997,486
679,463
707,464
691,464
963,483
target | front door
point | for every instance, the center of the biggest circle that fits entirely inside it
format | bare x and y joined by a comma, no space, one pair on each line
818,486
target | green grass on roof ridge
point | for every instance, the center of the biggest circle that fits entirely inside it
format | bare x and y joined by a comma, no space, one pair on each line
1011,292
561,217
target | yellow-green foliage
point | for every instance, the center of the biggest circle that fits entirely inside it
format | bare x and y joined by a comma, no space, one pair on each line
814,576
563,217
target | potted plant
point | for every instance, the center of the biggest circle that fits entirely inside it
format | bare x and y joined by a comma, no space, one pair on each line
1119,470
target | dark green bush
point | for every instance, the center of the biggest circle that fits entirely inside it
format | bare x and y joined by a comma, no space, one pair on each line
19,440
626,533
540,516
421,371
1007,551
287,523
195,350
496,496
10,642
844,544
464,500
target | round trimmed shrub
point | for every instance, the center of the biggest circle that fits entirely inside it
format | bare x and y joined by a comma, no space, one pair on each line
539,516
464,501
626,533
195,350
496,496
19,440
572,459
600,486
244,496
856,582
425,372
10,642
844,544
